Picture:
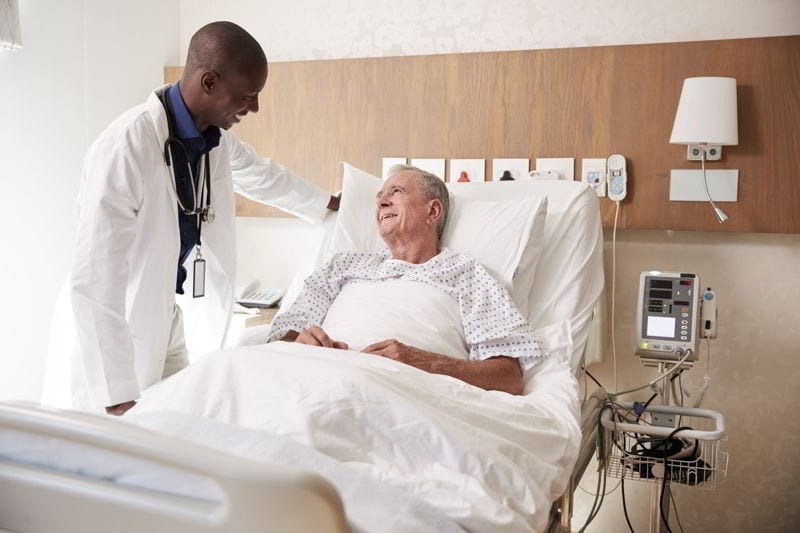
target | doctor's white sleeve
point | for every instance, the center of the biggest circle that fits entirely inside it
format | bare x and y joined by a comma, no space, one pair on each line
268,182
111,194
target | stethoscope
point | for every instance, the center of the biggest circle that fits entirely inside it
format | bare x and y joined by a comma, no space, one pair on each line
200,206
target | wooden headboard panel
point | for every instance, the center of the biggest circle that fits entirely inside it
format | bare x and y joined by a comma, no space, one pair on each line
574,102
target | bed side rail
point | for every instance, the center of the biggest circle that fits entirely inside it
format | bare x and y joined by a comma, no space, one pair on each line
39,494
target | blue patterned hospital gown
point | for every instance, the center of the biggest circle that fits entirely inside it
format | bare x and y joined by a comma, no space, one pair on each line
492,324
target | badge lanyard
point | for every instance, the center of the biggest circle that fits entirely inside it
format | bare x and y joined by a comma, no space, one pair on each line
201,210
206,214
201,198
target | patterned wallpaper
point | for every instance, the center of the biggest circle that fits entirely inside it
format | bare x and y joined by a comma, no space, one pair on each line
758,350
327,29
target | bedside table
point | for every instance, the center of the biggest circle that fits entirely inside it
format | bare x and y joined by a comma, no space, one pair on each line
245,320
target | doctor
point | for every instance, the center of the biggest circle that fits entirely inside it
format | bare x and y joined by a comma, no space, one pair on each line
157,197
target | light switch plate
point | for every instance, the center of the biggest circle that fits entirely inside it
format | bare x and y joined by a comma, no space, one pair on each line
565,166
687,185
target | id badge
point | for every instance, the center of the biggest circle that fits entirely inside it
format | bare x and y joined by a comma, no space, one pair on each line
199,285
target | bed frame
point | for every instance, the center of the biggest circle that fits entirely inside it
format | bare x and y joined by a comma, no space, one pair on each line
252,495
561,512
245,495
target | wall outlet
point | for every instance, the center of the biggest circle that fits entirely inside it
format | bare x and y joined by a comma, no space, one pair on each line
467,170
565,166
694,152
517,167
593,172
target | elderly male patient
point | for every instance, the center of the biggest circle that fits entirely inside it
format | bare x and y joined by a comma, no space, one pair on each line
496,343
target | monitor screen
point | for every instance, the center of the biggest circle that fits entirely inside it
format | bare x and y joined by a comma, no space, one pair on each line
661,326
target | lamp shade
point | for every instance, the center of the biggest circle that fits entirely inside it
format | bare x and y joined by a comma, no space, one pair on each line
706,112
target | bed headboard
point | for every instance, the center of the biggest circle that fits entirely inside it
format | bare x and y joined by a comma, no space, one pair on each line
573,102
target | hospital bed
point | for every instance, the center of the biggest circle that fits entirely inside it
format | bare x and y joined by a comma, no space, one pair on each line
202,450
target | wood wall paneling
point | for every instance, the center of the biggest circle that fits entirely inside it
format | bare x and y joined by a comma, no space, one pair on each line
575,102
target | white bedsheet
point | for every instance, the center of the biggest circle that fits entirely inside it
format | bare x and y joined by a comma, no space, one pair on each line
440,450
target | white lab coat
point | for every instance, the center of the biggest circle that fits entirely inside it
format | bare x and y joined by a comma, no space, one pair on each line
122,284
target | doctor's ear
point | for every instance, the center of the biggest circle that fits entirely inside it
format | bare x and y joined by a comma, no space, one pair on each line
208,80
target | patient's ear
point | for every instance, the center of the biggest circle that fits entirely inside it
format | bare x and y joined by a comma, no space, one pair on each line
435,209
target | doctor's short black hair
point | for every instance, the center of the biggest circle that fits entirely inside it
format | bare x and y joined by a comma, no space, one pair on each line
223,46
432,188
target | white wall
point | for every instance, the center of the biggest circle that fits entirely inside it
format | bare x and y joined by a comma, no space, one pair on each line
83,63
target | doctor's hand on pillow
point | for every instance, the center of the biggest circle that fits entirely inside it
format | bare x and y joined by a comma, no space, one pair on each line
496,373
314,336
120,408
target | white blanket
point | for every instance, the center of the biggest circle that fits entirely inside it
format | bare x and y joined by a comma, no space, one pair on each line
487,461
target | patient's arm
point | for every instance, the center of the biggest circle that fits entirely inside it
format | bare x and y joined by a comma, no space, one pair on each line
314,336
496,373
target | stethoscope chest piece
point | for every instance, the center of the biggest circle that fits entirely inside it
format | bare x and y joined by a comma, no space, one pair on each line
209,215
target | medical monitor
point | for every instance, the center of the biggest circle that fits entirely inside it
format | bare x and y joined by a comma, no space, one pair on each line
667,315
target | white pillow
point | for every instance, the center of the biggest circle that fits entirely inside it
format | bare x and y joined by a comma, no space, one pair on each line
505,236
356,229
499,234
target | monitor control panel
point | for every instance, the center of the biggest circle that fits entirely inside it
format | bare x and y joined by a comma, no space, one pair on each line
667,315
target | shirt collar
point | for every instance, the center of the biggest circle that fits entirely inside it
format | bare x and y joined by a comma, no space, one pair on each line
185,128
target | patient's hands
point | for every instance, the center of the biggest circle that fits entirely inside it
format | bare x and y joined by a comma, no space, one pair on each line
495,373
394,349
316,336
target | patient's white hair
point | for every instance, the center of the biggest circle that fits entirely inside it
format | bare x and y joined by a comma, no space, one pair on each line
432,188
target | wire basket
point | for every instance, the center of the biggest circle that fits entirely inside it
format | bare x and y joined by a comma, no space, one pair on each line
639,450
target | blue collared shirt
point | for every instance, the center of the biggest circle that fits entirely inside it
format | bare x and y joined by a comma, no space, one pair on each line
197,144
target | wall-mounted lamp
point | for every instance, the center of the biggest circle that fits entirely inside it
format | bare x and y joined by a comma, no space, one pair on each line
706,121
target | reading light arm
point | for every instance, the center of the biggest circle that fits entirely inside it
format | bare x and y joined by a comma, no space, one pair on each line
721,216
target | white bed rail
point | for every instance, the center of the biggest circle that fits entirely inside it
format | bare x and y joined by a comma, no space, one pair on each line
244,495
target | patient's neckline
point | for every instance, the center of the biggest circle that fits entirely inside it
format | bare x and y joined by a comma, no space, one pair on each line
439,254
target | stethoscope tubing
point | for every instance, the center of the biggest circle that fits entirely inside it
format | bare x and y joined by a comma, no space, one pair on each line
200,207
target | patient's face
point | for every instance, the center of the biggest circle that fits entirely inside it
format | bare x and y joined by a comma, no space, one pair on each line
401,210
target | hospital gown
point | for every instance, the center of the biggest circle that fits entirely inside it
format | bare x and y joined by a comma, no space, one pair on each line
492,324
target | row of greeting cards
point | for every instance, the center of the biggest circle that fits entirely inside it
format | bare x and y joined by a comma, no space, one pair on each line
504,169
